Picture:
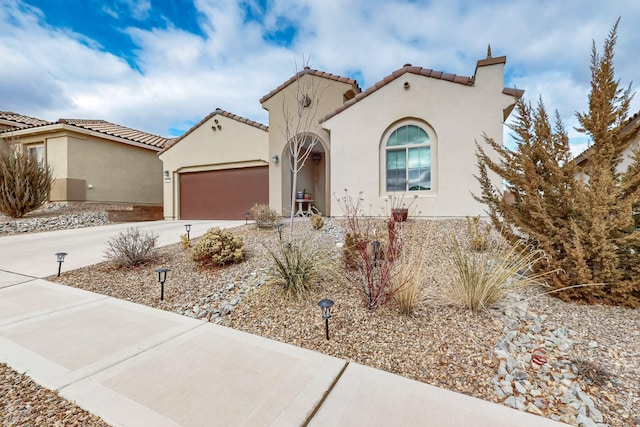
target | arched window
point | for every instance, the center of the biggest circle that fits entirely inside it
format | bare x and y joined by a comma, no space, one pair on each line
408,159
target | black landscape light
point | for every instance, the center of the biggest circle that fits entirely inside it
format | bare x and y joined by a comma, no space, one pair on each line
246,218
188,228
162,277
376,251
60,258
279,229
326,305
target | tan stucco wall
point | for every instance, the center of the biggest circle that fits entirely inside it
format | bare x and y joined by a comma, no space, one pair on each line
456,114
628,153
330,95
115,172
90,168
234,145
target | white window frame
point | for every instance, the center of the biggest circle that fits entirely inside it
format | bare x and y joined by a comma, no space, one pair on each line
432,144
37,150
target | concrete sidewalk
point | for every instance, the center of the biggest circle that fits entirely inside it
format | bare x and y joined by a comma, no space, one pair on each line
134,365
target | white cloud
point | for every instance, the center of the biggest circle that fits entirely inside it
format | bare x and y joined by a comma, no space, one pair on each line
181,77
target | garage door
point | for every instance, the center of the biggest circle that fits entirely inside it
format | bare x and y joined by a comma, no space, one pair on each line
223,194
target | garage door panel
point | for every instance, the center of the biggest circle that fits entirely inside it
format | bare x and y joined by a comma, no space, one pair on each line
223,194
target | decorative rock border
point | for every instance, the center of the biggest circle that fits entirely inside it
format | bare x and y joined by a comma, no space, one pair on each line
61,222
535,373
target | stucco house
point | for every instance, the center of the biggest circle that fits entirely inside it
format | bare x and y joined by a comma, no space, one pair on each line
410,134
92,160
631,135
218,169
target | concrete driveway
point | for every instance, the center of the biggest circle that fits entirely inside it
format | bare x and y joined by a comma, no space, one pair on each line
33,255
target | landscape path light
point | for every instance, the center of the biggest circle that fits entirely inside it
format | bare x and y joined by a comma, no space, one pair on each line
326,304
188,228
60,257
162,277
279,229
246,218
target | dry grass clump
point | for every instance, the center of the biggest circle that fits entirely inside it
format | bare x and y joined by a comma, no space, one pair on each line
409,280
217,247
131,247
481,279
264,216
478,234
317,222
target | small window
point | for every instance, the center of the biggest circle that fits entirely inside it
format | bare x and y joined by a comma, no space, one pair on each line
408,159
36,151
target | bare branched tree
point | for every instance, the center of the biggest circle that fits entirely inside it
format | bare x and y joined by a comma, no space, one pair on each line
300,125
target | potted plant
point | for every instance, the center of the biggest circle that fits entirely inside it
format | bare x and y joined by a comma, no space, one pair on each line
400,214
305,195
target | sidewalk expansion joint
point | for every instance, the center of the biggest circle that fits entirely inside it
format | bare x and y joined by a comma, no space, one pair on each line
326,394
129,357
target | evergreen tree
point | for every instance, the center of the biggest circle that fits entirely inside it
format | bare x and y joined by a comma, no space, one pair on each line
581,217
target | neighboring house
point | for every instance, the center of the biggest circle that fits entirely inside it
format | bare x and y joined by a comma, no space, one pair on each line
631,142
218,169
92,160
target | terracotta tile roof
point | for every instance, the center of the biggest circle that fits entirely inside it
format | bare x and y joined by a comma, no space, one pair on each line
20,120
112,129
427,72
100,126
632,125
312,72
217,111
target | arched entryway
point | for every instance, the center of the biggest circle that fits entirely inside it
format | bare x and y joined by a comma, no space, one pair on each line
312,178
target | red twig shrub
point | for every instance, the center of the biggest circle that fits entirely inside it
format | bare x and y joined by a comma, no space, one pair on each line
378,246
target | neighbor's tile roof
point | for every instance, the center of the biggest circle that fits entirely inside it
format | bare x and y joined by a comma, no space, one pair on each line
21,120
100,126
218,111
632,125
119,131
427,72
312,72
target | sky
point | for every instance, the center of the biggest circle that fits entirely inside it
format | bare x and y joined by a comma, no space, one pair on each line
161,66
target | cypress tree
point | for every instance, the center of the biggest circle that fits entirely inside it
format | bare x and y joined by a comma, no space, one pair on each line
582,217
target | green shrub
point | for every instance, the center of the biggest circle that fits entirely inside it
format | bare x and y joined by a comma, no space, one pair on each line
25,182
317,222
265,217
481,279
478,235
131,247
216,248
295,265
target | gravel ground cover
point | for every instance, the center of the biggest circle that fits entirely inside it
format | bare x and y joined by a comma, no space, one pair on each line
592,374
58,216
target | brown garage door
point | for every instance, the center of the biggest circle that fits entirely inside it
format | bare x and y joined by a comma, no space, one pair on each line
223,194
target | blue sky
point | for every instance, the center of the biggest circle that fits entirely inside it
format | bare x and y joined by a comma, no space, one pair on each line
162,65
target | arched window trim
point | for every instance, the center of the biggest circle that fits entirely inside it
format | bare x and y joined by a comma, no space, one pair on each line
386,186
